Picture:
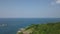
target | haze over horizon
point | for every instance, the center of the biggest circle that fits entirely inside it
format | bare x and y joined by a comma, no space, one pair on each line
29,8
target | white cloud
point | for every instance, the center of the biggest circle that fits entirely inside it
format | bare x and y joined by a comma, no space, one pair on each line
58,1
55,2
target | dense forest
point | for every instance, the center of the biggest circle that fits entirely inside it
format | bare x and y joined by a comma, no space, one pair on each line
49,28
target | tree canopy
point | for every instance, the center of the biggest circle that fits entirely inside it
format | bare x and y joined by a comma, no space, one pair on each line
49,28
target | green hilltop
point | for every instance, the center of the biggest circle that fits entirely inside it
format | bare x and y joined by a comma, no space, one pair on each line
49,28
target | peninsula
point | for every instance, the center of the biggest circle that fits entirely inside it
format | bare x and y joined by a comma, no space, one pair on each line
49,28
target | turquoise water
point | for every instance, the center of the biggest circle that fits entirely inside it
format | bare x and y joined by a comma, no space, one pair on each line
13,24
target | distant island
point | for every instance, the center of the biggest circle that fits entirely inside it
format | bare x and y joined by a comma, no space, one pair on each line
49,28
3,25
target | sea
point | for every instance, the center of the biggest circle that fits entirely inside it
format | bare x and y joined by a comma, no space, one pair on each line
12,25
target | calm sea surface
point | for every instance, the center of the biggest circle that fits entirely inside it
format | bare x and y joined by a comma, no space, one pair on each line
12,25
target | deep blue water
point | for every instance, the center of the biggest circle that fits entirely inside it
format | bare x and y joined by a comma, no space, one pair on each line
13,24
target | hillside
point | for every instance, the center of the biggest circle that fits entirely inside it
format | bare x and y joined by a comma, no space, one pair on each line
50,28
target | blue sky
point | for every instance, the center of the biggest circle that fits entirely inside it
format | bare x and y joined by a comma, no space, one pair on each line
29,8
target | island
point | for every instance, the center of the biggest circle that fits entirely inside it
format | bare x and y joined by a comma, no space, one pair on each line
3,25
48,28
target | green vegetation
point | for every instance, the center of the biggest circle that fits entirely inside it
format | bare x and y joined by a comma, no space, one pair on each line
50,28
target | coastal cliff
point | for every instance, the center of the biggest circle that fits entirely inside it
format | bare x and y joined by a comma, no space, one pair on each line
49,28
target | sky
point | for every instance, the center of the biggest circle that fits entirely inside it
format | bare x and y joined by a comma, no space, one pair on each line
29,8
